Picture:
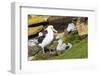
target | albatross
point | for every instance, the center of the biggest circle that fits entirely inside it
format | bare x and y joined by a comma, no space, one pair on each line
62,46
49,36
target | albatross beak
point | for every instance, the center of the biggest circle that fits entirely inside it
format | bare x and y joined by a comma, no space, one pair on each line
54,30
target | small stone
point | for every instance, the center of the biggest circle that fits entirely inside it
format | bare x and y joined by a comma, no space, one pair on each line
34,50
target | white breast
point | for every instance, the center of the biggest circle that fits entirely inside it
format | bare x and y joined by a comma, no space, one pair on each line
61,46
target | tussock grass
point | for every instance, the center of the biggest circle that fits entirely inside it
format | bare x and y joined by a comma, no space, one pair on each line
79,50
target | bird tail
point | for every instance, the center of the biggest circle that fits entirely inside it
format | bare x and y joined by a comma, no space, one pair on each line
70,45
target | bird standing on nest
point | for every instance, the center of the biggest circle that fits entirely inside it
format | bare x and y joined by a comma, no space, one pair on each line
49,36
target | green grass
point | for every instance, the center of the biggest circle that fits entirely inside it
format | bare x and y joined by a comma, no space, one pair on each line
72,38
79,50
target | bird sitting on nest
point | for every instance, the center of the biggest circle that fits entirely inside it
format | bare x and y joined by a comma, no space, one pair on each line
62,46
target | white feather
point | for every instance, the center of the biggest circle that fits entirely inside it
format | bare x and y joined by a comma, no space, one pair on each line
61,46
71,27
32,42
49,36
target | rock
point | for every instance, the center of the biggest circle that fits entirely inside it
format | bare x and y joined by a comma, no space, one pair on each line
82,26
34,50
41,56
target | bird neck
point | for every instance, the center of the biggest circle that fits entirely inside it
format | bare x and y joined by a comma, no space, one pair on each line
50,31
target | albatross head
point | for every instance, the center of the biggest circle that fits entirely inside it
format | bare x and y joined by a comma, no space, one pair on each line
52,28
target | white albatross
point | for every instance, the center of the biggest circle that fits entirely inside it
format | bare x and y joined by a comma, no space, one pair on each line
71,27
62,46
49,36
